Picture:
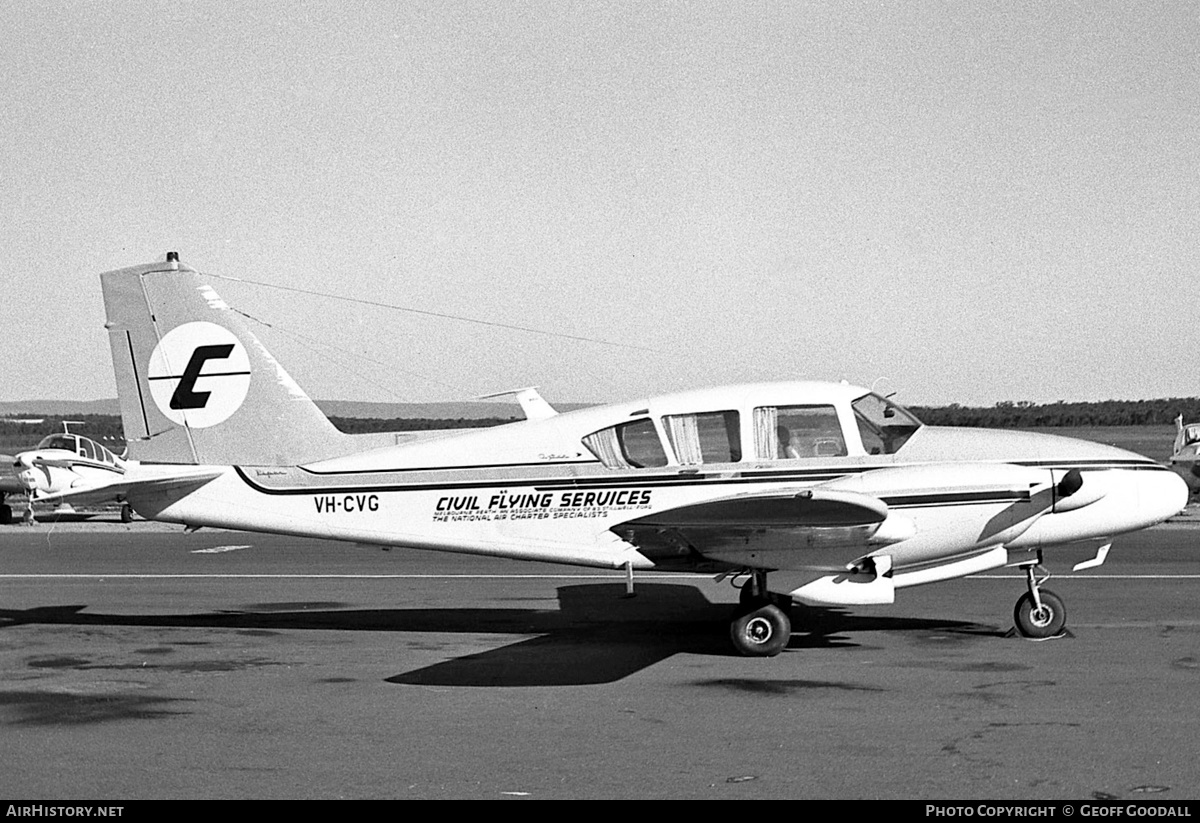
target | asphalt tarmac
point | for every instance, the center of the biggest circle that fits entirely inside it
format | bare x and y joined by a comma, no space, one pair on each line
142,662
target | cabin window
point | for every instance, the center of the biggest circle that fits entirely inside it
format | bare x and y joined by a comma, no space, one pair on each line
883,425
797,433
633,445
86,450
711,437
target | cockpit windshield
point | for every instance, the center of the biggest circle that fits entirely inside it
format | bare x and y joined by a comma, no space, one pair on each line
58,441
884,426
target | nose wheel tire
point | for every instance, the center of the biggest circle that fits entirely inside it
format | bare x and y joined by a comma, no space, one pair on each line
1040,622
760,631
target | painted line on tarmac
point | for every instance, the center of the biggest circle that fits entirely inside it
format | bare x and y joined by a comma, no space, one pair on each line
618,576
645,576
1090,577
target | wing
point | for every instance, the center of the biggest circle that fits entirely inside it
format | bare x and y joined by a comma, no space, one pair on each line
807,507
818,529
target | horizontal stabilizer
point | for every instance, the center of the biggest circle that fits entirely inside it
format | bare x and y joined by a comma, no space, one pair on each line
136,481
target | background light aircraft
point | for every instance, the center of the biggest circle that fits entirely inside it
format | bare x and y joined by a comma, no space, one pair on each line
821,493
1185,456
65,468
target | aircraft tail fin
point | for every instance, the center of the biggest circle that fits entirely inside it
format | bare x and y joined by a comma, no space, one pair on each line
195,385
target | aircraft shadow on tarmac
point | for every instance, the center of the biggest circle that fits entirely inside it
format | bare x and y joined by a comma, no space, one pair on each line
597,635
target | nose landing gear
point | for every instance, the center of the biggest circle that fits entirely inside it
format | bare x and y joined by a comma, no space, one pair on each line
1039,613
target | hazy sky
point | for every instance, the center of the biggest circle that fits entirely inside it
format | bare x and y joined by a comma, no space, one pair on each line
977,201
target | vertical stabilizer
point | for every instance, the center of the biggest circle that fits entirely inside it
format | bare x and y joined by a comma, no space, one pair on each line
195,386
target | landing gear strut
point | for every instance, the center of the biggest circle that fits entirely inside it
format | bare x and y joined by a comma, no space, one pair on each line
760,627
1039,613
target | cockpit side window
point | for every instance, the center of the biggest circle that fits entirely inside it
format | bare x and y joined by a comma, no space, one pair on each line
883,425
797,433
86,450
710,437
633,445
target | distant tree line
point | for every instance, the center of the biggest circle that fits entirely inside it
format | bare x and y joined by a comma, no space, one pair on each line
1025,415
107,427
364,425
95,426
1004,415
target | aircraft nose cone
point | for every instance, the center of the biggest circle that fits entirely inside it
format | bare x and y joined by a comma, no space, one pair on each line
1167,496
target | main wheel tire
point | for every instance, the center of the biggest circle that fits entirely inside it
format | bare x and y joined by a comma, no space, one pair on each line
5,513
126,513
1044,622
761,632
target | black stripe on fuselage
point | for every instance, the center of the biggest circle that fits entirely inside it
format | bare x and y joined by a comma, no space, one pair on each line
91,465
689,478
1144,463
477,467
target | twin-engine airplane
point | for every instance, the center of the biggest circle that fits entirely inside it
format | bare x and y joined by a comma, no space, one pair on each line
801,491
64,468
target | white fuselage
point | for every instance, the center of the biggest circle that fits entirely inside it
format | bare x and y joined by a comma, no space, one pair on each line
1001,493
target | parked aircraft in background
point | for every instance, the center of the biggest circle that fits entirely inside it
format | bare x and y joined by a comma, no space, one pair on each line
532,403
65,468
1185,456
821,493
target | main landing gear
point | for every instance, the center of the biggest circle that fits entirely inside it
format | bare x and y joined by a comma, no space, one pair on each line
1039,613
761,626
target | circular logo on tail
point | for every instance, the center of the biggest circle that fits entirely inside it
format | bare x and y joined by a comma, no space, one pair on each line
199,374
